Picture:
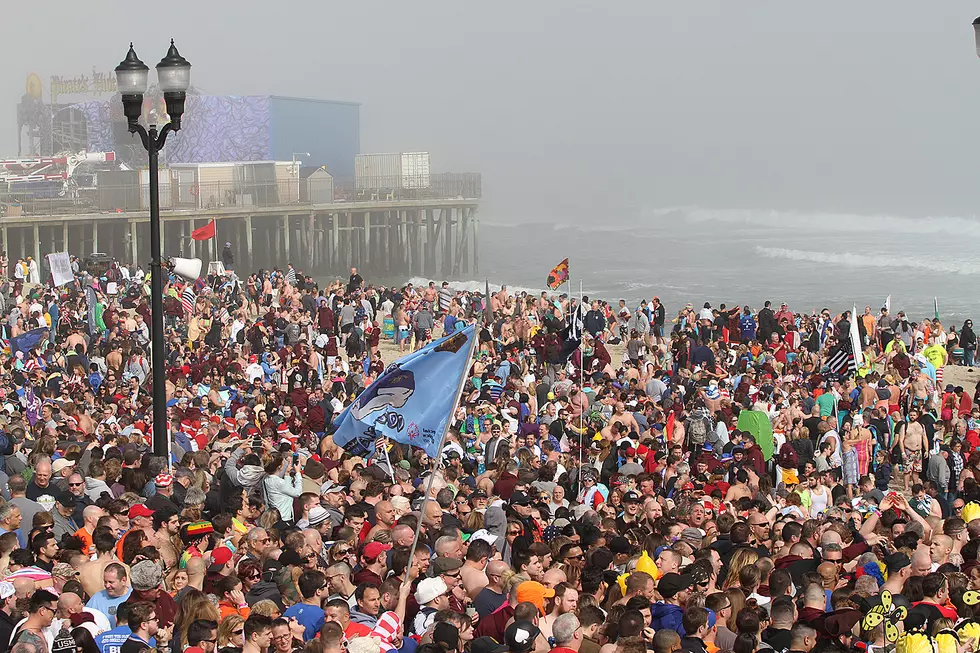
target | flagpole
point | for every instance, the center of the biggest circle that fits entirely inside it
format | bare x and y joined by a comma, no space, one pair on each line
437,463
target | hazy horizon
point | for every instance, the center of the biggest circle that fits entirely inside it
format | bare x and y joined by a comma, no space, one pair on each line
584,111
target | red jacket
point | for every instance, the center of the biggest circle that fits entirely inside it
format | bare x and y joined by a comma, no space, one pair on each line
754,457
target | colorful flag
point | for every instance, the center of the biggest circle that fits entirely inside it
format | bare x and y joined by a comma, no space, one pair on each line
841,359
204,233
27,341
559,275
188,298
412,401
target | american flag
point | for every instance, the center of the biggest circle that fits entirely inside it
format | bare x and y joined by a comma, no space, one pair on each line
841,361
187,299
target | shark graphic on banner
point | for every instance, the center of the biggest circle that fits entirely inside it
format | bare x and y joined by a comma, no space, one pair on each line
412,401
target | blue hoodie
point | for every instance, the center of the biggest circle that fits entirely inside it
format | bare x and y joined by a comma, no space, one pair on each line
667,615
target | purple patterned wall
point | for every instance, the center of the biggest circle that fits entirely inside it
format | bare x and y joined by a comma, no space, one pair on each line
213,128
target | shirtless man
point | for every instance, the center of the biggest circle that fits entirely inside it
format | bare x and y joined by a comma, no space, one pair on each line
431,294
404,332
740,488
620,416
918,389
74,339
168,525
868,397
90,574
912,445
472,572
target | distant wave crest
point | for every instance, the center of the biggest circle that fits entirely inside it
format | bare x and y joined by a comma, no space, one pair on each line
827,221
849,259
475,286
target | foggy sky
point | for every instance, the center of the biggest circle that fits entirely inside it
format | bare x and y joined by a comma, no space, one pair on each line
587,110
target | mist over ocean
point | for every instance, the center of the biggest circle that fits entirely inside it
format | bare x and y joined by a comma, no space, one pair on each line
689,254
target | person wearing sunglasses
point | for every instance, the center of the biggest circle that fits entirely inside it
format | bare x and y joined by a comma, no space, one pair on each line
338,577
42,610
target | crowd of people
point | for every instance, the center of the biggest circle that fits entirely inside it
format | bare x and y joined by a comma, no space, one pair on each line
612,481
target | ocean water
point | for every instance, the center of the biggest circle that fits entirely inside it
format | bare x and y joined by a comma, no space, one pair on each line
689,254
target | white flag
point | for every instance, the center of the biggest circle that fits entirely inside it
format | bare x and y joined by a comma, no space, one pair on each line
856,338
888,303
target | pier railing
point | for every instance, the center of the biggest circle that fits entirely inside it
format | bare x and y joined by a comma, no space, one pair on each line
188,195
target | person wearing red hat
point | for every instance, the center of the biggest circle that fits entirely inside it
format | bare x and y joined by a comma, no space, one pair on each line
139,518
373,564
220,567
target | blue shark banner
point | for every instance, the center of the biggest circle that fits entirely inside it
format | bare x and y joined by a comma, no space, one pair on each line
27,341
412,401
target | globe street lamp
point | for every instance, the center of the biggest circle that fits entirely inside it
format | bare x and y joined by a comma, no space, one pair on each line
174,75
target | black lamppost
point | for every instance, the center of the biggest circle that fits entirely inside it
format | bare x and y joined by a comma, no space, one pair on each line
174,74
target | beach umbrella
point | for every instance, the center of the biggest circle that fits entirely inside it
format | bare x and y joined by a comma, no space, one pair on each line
757,423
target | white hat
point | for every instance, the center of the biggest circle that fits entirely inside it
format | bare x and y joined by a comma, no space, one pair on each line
329,487
318,515
485,535
60,464
430,589
6,590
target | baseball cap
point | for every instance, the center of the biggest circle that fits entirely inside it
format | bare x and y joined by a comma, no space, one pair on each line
220,556
373,549
519,498
478,494
486,536
712,619
6,590
520,636
330,487
670,584
430,589
68,500
139,510
534,592
60,464
443,564
631,497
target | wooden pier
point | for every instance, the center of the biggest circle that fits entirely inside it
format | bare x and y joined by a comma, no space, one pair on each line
429,237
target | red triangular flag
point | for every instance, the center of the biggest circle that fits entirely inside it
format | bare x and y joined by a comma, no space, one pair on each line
204,233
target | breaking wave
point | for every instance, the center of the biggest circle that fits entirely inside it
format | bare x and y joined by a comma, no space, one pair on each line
853,260
828,221
476,286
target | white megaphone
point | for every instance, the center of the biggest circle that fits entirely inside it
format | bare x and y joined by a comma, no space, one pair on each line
188,268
